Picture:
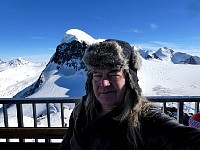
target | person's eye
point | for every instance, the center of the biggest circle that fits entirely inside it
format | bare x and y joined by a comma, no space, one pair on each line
97,76
114,76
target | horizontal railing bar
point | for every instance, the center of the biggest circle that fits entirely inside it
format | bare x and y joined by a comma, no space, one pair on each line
75,100
32,132
174,98
29,146
37,100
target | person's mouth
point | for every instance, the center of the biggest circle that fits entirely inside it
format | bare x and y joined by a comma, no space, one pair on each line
107,92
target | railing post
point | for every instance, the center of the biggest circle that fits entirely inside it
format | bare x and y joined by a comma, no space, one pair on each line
196,107
180,112
34,114
62,114
48,115
48,119
20,117
164,107
34,117
5,113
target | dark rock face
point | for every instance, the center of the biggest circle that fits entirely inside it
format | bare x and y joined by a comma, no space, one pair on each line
67,56
67,53
189,60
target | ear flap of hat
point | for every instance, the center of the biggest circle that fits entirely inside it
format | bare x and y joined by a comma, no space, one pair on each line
135,60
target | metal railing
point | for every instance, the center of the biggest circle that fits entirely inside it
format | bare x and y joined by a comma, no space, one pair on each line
7,102
181,102
48,133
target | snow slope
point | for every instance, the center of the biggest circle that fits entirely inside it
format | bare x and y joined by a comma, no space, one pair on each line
168,79
17,74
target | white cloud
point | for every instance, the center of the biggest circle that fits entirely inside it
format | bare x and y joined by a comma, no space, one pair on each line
153,26
100,18
160,43
135,30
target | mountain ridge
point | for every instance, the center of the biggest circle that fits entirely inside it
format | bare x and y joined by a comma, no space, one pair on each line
168,54
66,62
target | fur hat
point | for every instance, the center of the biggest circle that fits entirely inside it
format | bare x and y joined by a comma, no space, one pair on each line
194,120
112,54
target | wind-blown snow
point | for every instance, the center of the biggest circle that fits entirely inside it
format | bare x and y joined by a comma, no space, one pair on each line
76,34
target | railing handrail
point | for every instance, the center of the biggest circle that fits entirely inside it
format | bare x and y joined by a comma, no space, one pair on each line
38,100
174,98
74,100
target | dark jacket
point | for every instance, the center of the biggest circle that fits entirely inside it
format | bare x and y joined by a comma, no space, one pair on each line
158,132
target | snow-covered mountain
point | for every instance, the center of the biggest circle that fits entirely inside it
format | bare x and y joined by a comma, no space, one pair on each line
19,61
17,74
65,76
2,62
65,73
64,69
169,55
78,35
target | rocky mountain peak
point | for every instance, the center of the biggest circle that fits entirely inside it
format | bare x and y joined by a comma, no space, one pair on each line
70,54
2,62
168,54
18,61
66,61
164,51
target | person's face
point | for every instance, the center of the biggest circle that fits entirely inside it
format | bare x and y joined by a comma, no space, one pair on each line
109,87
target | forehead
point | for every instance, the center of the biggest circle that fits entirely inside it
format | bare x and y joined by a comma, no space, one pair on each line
107,71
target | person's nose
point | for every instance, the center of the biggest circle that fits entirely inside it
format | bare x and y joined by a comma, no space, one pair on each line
105,82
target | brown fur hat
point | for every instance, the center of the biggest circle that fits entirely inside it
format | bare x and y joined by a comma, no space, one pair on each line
112,54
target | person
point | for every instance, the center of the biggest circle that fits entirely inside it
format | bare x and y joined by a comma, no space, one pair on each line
194,120
114,114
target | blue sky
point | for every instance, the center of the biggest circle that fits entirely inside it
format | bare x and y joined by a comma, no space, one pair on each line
32,29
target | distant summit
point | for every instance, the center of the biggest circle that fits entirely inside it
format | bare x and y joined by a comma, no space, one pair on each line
164,53
18,61
2,62
168,54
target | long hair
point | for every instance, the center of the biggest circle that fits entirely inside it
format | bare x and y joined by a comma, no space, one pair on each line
134,105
